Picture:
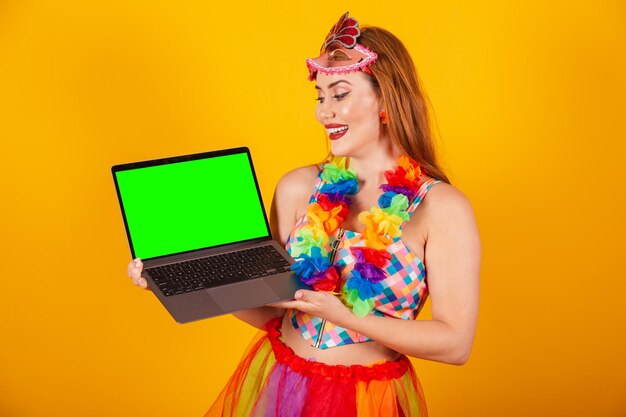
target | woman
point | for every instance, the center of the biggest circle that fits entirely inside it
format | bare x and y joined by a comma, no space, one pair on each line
341,349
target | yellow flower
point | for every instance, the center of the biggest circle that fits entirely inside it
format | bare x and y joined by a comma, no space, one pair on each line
340,161
382,222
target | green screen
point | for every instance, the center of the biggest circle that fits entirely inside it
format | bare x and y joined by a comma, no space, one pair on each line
191,205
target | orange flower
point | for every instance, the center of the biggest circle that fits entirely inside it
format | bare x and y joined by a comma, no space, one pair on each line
328,220
412,168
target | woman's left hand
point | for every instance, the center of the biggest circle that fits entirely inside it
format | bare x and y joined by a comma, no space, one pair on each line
320,304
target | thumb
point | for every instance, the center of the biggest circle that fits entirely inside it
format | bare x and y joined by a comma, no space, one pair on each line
304,295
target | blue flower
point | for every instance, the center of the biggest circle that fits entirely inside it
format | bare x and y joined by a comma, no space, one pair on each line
306,266
349,186
366,289
384,200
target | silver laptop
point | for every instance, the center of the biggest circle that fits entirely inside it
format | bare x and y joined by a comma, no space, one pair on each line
199,225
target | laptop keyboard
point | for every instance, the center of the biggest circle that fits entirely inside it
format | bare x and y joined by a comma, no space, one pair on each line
212,271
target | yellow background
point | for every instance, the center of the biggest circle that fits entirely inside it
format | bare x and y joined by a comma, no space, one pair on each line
529,100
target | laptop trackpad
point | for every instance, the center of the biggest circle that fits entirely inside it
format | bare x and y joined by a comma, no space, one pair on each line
243,295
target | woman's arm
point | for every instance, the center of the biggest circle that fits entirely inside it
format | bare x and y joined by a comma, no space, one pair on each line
453,263
290,199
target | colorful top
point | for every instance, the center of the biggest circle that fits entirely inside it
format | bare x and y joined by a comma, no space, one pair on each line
405,288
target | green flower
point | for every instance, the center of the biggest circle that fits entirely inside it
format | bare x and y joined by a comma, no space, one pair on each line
360,308
332,173
306,239
398,206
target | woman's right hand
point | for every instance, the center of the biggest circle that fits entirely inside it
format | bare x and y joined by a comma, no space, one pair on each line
134,272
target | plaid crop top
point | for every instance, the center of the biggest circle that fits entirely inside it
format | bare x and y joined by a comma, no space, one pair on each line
405,288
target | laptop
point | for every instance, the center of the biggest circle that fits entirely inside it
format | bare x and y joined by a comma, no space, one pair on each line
199,225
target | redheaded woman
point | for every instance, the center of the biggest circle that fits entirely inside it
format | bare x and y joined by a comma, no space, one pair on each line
375,230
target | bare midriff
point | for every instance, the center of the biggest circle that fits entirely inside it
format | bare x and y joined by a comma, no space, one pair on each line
352,354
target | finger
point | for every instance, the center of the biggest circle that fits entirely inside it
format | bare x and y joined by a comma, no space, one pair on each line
131,265
302,295
140,281
136,270
300,305
280,304
135,274
307,296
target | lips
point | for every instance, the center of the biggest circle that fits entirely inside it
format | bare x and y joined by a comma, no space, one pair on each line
335,131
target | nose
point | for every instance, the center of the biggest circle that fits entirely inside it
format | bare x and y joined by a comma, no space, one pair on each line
325,110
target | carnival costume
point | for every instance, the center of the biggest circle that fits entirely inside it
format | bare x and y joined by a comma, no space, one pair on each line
372,272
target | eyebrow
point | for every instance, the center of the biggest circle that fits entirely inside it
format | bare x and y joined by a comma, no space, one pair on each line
331,85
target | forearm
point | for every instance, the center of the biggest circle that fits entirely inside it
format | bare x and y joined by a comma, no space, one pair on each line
426,339
257,317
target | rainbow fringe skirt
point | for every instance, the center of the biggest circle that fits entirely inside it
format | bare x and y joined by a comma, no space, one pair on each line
272,381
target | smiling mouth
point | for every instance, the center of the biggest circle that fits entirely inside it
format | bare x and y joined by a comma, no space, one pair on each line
335,132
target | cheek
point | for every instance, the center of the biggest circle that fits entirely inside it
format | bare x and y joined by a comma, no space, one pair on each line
352,111
365,113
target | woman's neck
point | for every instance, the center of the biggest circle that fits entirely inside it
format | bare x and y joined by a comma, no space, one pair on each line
371,169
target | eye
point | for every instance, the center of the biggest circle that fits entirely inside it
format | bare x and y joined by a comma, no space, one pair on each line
339,97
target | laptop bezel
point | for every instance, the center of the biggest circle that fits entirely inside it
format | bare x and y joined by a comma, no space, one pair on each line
185,158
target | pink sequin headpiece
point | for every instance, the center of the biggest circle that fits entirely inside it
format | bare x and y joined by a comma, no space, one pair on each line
340,52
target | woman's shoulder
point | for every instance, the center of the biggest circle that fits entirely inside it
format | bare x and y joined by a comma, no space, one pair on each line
446,202
298,183
290,200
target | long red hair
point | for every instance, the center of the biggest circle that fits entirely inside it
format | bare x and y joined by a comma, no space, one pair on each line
396,83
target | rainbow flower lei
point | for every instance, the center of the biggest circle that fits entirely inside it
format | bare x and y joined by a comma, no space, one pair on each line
382,224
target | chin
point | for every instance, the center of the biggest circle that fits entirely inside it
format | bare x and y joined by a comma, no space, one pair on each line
340,149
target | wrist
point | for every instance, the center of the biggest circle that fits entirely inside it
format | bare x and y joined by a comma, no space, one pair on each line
347,319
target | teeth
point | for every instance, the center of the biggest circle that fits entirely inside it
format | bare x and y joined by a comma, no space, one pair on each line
337,129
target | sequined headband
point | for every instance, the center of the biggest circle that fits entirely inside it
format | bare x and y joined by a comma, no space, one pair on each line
340,52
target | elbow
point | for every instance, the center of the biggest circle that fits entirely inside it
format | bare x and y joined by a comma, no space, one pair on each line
459,353
459,346
459,358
